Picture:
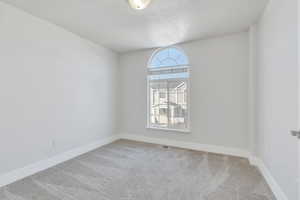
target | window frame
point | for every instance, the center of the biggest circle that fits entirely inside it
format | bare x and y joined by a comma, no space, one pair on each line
188,81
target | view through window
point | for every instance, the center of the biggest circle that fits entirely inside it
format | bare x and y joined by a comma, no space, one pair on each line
168,87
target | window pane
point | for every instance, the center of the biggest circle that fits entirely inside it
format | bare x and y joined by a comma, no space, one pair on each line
159,104
178,104
169,57
168,62
168,104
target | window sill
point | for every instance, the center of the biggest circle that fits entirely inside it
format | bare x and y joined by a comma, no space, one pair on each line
170,130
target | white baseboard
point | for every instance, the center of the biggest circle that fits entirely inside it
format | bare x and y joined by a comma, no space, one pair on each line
253,160
279,194
276,189
29,170
189,145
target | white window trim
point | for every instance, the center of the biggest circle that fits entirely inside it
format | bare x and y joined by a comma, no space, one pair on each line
170,130
148,126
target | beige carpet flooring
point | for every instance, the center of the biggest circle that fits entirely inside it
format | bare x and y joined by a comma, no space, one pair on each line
127,170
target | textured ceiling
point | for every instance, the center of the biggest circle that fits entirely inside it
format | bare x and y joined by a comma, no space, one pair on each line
115,25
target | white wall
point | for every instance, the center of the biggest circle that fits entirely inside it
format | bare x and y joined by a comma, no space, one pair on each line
57,91
277,92
219,92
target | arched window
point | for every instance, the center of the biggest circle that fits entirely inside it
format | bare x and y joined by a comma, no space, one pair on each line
168,90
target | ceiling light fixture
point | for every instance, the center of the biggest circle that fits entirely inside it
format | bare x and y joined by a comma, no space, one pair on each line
139,4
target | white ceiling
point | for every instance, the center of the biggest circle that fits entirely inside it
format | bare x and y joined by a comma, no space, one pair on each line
115,25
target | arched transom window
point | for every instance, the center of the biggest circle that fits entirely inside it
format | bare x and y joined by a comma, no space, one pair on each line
168,90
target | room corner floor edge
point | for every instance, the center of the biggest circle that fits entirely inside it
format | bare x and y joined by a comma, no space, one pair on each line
22,173
18,174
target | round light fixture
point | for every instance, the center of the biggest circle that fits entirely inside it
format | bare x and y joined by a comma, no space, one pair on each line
139,4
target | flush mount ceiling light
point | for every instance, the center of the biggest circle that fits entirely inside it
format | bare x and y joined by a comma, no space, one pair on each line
139,4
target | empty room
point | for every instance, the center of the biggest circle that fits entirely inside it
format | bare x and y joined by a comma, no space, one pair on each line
149,100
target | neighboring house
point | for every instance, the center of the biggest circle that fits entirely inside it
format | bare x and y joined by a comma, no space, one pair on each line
177,107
